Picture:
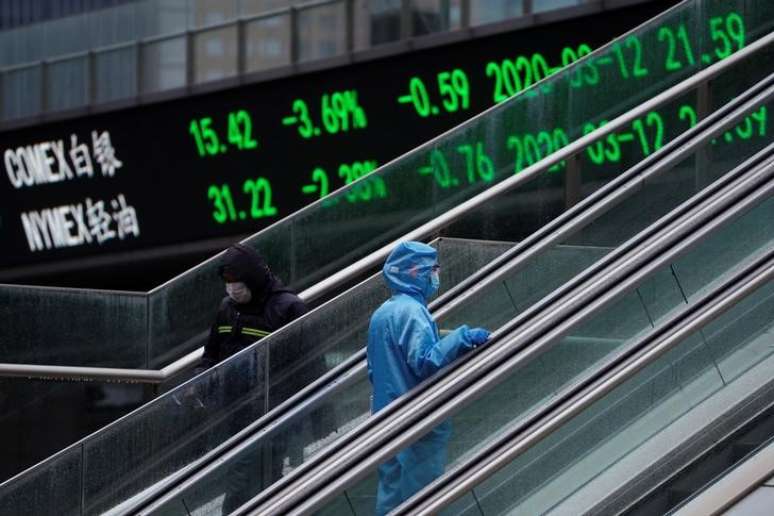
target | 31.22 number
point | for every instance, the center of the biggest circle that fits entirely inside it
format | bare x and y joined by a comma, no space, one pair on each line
258,192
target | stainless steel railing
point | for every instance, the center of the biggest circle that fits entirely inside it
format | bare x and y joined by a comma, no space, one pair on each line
514,443
579,216
425,230
310,485
733,487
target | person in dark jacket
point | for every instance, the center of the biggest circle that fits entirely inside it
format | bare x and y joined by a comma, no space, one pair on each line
256,304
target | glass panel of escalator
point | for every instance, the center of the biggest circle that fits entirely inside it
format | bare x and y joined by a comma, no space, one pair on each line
629,428
170,433
732,344
116,322
323,238
35,329
605,335
588,344
654,197
36,490
304,248
497,304
735,348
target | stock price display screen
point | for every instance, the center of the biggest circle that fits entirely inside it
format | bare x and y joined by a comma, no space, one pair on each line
232,162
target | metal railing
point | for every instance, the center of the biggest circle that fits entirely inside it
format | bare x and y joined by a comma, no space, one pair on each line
653,346
226,51
425,230
309,486
354,368
732,487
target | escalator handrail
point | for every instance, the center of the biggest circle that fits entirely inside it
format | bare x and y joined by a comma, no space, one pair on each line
361,457
532,171
580,215
576,398
362,448
336,280
732,487
397,405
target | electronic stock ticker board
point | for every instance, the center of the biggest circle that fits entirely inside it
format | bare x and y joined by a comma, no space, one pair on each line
234,161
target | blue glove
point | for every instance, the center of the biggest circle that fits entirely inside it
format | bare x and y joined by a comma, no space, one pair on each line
478,336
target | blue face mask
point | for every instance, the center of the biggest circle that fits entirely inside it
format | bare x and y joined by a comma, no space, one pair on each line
432,285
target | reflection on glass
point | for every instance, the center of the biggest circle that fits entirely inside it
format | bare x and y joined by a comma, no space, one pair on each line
163,65
116,74
490,11
67,84
215,54
321,32
267,43
638,421
591,344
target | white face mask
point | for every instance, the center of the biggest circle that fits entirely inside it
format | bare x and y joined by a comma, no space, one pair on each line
239,292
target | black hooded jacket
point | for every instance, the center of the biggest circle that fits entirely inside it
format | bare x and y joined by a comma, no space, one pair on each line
239,325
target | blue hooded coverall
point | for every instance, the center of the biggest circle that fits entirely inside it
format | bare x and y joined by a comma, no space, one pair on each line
404,348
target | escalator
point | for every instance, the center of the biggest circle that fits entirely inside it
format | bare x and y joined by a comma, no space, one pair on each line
697,392
512,391
166,445
533,272
710,463
742,482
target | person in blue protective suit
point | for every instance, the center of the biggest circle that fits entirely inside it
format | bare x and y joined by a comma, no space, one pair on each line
404,348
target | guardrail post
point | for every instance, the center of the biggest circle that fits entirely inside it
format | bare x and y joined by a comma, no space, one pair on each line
91,70
138,65
406,30
572,182
294,37
444,9
349,14
43,86
190,67
241,40
464,14
2,95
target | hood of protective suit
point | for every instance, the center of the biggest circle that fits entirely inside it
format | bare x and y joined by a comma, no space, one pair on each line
249,267
407,269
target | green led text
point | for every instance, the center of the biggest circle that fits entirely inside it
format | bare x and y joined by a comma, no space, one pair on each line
511,76
254,201
239,134
339,112
453,90
477,166
362,191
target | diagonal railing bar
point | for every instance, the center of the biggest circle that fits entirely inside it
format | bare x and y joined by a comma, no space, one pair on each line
579,216
371,261
301,486
307,489
573,400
